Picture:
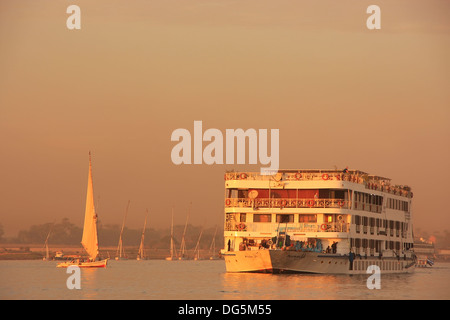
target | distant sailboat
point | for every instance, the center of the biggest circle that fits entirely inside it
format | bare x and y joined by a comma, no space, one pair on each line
212,247
120,254
90,238
183,241
197,247
141,252
173,249
47,253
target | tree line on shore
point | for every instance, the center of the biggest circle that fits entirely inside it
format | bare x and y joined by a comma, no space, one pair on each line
67,233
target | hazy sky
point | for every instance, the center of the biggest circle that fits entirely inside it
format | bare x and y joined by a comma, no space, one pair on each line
340,94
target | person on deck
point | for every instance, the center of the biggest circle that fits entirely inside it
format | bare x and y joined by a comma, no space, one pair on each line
334,246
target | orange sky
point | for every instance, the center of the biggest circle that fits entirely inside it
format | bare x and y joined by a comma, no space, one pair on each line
340,94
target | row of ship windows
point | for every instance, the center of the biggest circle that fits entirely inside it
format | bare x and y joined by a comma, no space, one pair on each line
381,223
312,218
395,204
282,218
376,245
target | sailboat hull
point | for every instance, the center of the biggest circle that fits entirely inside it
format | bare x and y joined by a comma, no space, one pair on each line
90,264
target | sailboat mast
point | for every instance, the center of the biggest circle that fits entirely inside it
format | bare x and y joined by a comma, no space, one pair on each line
47,254
141,247
197,247
172,244
183,242
212,247
120,249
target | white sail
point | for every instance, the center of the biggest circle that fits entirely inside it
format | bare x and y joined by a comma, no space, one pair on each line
90,239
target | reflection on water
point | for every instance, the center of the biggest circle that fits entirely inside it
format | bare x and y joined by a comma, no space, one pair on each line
285,286
90,280
184,280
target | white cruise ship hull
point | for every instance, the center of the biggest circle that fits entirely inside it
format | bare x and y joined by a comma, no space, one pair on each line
287,261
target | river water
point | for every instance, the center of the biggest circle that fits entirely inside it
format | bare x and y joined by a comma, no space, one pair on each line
205,279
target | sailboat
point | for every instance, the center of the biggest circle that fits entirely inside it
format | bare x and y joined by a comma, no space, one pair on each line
197,247
183,239
141,252
120,255
90,238
47,253
173,249
212,247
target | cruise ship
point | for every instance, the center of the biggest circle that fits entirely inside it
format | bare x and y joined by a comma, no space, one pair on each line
317,221
425,253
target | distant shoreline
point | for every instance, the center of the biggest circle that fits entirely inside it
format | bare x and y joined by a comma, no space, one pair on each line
37,252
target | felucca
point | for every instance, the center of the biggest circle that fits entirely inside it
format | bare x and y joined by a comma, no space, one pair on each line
183,239
47,253
173,249
90,238
197,247
120,255
141,252
212,248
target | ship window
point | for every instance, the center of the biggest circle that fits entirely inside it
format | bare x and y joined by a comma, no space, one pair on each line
365,243
232,193
285,218
262,217
307,218
339,194
242,194
365,221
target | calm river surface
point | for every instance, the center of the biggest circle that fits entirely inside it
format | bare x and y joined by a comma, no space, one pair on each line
199,280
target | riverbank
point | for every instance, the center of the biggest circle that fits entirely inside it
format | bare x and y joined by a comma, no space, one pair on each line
35,252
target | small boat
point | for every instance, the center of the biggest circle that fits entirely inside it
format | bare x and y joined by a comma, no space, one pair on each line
90,238
84,263
59,255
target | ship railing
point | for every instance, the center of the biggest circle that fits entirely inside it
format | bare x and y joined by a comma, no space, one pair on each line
296,176
287,203
290,228
359,178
